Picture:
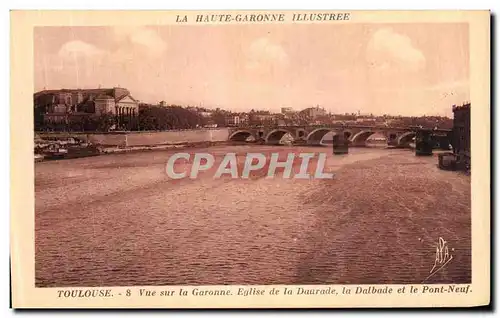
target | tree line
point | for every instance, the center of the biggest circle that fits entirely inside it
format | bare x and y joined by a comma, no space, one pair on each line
148,118
153,117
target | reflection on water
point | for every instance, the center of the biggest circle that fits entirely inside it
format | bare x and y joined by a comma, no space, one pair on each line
117,220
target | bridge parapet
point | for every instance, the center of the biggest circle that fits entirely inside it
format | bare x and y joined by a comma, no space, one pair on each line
314,134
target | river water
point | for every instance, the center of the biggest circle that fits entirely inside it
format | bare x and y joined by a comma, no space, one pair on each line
119,220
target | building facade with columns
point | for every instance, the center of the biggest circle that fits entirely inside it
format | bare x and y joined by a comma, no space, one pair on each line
60,106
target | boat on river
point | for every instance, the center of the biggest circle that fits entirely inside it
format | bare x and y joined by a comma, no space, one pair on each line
55,152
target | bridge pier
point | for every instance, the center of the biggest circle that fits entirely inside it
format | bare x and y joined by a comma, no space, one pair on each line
392,139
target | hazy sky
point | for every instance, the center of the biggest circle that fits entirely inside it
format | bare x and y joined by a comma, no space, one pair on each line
408,69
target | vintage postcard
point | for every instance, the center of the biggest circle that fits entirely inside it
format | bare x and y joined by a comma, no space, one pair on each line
244,159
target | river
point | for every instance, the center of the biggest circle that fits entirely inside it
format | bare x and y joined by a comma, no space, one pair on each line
119,220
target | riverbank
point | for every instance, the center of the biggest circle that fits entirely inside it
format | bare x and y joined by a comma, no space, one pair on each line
101,150
140,138
116,150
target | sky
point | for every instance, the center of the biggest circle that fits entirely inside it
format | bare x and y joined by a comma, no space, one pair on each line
400,69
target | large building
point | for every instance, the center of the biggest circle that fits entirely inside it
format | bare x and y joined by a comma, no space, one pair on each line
461,134
59,106
314,112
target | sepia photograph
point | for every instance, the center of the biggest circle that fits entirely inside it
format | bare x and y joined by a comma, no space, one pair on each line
302,149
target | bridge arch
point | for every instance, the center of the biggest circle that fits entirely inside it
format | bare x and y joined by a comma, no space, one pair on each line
361,137
274,136
347,134
240,135
315,136
405,138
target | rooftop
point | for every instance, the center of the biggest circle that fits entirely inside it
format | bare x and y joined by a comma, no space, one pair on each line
465,106
116,92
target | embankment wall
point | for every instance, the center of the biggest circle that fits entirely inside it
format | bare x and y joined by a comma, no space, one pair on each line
134,139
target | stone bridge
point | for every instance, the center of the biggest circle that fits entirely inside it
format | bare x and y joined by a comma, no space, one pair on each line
313,135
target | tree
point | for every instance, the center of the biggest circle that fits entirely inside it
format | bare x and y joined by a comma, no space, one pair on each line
253,119
170,117
39,117
106,121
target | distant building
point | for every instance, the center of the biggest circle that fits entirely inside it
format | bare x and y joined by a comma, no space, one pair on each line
163,103
280,122
200,111
314,112
233,120
243,118
264,118
286,110
461,133
205,114
61,105
365,120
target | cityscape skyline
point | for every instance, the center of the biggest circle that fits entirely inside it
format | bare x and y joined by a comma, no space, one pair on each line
392,69
289,110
